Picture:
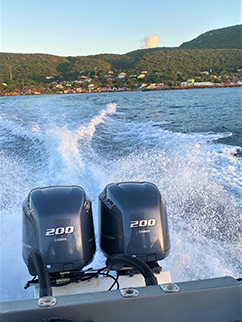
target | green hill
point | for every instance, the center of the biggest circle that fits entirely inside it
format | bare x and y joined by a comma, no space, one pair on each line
39,66
117,61
229,37
190,60
75,65
219,50
141,52
30,66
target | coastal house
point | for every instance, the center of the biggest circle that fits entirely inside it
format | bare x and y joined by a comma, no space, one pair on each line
190,81
152,86
69,91
121,75
202,84
143,73
143,86
109,76
105,89
84,79
91,87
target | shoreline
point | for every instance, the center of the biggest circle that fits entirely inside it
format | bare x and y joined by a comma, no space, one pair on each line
126,90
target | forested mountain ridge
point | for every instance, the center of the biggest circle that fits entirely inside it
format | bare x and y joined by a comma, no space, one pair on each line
39,66
29,66
190,60
229,37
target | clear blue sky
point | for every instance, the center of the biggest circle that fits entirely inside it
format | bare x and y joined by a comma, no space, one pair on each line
78,27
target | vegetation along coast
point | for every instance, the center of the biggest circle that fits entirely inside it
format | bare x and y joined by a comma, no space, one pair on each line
213,59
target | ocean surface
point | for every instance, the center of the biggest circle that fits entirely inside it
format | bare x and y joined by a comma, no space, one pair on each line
187,142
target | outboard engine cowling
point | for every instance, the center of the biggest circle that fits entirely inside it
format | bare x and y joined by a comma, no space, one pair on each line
133,221
58,222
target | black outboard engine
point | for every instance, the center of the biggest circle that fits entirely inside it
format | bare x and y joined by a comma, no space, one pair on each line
133,221
58,222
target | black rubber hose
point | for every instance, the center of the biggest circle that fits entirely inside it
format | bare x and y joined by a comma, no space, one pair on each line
37,264
116,262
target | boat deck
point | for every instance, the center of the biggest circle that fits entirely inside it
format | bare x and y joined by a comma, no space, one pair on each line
211,300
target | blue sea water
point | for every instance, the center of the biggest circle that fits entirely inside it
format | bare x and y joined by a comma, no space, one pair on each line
187,142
